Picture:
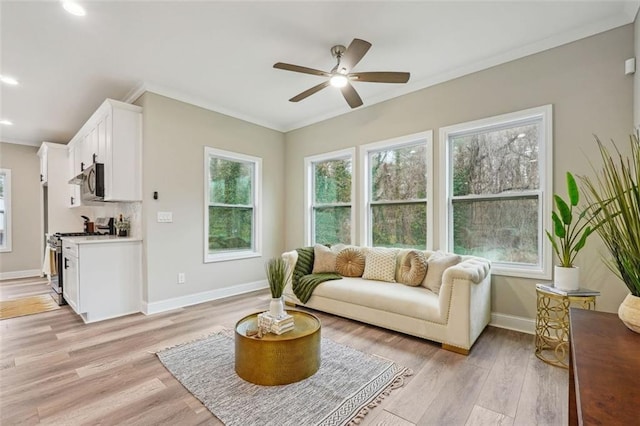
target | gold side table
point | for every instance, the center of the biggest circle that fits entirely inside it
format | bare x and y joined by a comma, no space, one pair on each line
278,359
552,323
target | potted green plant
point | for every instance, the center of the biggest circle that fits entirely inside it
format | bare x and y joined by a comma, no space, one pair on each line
278,274
615,199
569,236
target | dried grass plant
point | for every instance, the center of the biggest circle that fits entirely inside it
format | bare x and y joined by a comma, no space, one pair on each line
614,199
277,274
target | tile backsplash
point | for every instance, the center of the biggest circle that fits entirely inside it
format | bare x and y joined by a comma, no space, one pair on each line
132,211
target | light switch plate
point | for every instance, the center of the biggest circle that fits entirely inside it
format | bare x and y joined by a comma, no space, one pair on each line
165,217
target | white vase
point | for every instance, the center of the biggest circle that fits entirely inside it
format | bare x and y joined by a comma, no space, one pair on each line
629,312
276,307
566,278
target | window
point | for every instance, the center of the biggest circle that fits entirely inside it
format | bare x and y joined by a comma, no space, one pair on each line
397,192
5,210
498,186
330,189
232,214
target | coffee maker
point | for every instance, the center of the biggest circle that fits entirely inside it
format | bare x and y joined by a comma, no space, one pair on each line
105,225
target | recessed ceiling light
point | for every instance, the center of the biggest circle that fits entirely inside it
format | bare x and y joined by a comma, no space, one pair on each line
74,8
521,135
6,122
8,80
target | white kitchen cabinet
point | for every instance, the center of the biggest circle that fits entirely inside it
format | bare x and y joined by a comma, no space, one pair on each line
74,161
102,277
89,149
113,136
70,279
43,154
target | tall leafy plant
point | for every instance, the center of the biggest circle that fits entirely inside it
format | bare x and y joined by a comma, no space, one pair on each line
615,201
569,234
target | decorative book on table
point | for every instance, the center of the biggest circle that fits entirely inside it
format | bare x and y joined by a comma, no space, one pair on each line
579,292
275,325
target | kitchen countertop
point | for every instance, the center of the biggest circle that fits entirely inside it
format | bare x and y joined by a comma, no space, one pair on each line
100,239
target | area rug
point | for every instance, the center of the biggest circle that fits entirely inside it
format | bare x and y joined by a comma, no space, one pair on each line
27,306
345,387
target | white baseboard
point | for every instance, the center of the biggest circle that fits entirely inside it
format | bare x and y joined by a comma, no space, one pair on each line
205,296
510,322
20,274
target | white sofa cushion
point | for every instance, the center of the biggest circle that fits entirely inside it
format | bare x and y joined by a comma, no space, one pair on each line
438,262
380,264
416,302
324,259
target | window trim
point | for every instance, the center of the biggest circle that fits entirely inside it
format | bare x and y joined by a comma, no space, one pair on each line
364,150
7,247
256,251
545,169
309,185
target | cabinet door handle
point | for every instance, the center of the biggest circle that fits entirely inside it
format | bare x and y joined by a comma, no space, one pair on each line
72,199
95,156
66,263
41,177
82,167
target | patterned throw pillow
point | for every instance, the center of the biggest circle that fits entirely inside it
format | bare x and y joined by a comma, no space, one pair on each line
350,262
413,269
438,263
324,259
380,265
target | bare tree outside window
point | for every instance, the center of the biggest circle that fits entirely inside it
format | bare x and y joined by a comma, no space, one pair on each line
495,187
398,196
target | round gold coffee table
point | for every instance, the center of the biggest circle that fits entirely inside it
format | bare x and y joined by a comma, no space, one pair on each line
278,359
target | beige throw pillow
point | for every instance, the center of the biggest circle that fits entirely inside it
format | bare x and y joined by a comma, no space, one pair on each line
438,262
380,265
413,268
350,262
324,259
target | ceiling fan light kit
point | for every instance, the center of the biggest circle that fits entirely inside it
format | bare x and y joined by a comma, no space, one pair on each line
341,76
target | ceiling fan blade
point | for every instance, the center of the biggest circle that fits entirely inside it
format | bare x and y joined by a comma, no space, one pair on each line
351,96
356,50
381,77
309,92
298,68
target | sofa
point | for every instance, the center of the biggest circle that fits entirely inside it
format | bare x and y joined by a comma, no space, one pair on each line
453,313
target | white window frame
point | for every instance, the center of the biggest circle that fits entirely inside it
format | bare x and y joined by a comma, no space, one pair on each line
545,192
309,191
6,246
366,232
256,250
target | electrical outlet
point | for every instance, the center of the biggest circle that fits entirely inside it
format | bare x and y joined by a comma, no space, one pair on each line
181,278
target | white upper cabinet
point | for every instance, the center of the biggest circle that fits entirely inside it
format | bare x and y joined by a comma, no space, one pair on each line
113,136
43,154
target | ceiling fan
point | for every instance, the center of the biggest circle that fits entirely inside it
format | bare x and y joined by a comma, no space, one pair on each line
341,76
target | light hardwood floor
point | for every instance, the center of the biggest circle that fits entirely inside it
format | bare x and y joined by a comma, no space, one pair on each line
57,370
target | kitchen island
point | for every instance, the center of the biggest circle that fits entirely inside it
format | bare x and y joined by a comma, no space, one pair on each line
102,276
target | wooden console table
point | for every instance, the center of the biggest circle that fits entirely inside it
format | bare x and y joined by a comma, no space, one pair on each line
604,370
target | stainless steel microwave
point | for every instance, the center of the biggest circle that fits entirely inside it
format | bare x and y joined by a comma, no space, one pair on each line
91,182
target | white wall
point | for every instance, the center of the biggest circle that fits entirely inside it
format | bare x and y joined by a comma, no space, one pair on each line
636,77
175,135
25,204
589,92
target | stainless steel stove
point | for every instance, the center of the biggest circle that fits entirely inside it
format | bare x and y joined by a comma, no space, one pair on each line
57,262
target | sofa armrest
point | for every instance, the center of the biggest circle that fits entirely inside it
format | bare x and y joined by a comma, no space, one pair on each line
473,269
466,297
291,257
